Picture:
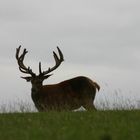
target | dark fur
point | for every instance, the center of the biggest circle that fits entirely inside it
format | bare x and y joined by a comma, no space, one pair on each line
70,94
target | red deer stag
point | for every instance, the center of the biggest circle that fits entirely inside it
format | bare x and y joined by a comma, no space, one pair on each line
69,94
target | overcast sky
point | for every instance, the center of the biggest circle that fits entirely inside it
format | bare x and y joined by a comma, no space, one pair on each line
100,39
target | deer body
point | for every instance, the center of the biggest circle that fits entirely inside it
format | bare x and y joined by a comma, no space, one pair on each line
69,94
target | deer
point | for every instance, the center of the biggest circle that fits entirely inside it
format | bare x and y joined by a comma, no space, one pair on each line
69,94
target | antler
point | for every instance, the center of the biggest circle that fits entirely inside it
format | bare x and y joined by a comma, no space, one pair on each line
58,61
20,59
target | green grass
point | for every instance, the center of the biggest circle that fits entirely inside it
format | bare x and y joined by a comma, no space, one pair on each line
99,125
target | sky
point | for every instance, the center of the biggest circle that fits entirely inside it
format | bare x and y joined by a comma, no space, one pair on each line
99,39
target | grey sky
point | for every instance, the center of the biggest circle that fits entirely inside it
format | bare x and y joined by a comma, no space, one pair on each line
99,39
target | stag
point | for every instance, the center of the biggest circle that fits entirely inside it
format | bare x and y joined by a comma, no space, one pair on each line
69,94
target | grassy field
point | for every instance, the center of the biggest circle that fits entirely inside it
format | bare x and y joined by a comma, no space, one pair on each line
99,125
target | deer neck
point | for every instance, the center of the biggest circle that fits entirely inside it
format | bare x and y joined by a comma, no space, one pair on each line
36,88
35,94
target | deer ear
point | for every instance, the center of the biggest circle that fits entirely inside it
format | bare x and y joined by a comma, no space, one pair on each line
28,79
47,76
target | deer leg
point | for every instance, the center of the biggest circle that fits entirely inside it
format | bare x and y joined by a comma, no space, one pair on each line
89,105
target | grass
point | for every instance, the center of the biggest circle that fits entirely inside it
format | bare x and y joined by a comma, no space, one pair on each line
116,120
52,125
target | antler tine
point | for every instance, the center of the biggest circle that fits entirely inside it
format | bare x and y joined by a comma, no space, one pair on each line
20,59
58,61
60,54
17,51
23,55
40,71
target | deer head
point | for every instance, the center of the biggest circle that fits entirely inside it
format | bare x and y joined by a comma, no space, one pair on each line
34,78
